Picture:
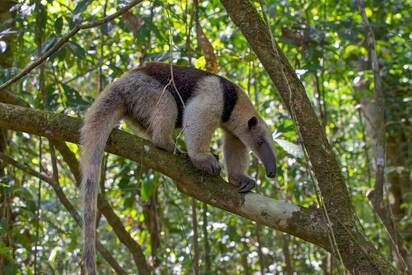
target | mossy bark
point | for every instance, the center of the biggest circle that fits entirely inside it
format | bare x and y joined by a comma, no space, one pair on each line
301,222
359,255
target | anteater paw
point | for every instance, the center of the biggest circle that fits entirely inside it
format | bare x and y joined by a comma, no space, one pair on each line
207,163
243,183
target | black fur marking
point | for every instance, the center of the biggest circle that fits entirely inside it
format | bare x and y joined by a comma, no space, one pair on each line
229,98
186,79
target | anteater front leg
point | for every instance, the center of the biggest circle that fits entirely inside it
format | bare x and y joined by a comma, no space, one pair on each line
236,160
198,127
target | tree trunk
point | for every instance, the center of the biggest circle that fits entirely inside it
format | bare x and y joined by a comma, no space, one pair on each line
6,198
358,254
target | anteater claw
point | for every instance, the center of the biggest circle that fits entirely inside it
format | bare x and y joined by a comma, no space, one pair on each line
243,183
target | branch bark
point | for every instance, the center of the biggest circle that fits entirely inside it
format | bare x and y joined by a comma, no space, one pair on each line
301,222
124,236
359,255
103,204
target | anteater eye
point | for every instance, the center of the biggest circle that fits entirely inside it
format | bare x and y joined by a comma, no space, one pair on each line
260,142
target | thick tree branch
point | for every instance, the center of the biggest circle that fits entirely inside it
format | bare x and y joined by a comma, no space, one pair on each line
359,255
67,204
103,204
303,223
64,39
68,156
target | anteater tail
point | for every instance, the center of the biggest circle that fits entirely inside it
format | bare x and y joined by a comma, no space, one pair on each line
102,116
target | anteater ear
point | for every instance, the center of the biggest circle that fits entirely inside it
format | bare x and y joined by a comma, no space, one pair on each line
252,122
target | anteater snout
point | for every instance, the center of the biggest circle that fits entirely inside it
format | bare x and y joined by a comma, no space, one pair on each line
271,174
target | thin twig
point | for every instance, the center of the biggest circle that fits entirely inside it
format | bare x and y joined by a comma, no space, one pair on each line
64,39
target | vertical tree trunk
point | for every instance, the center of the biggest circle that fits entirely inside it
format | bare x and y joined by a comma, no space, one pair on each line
358,254
196,253
375,114
259,248
288,269
152,221
6,62
206,240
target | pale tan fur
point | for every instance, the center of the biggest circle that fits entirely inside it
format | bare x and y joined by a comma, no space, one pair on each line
145,104
153,106
202,116
99,121
236,138
242,112
236,158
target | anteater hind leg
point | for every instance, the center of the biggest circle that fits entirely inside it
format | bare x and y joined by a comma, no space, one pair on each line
137,128
162,122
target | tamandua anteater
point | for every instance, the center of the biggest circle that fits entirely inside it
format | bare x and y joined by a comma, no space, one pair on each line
157,98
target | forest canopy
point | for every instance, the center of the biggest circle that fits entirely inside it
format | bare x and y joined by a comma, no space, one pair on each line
332,80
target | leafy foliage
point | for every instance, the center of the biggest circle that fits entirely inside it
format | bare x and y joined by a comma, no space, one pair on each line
323,40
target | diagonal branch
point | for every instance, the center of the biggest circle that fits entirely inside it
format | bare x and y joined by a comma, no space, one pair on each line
103,204
64,39
359,255
67,204
68,156
298,221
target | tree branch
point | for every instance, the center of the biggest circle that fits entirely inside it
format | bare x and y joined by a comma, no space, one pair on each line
301,222
64,39
103,204
67,204
68,156
358,253
124,236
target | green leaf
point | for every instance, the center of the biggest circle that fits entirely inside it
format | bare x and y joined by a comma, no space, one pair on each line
77,50
52,97
11,269
148,187
293,149
125,184
53,255
41,19
74,99
5,251
81,6
58,25
25,240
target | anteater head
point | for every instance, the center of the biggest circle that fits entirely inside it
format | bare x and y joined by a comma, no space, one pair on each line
258,138
252,130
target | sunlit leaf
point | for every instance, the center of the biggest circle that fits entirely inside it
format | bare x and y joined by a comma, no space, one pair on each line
291,148
82,6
